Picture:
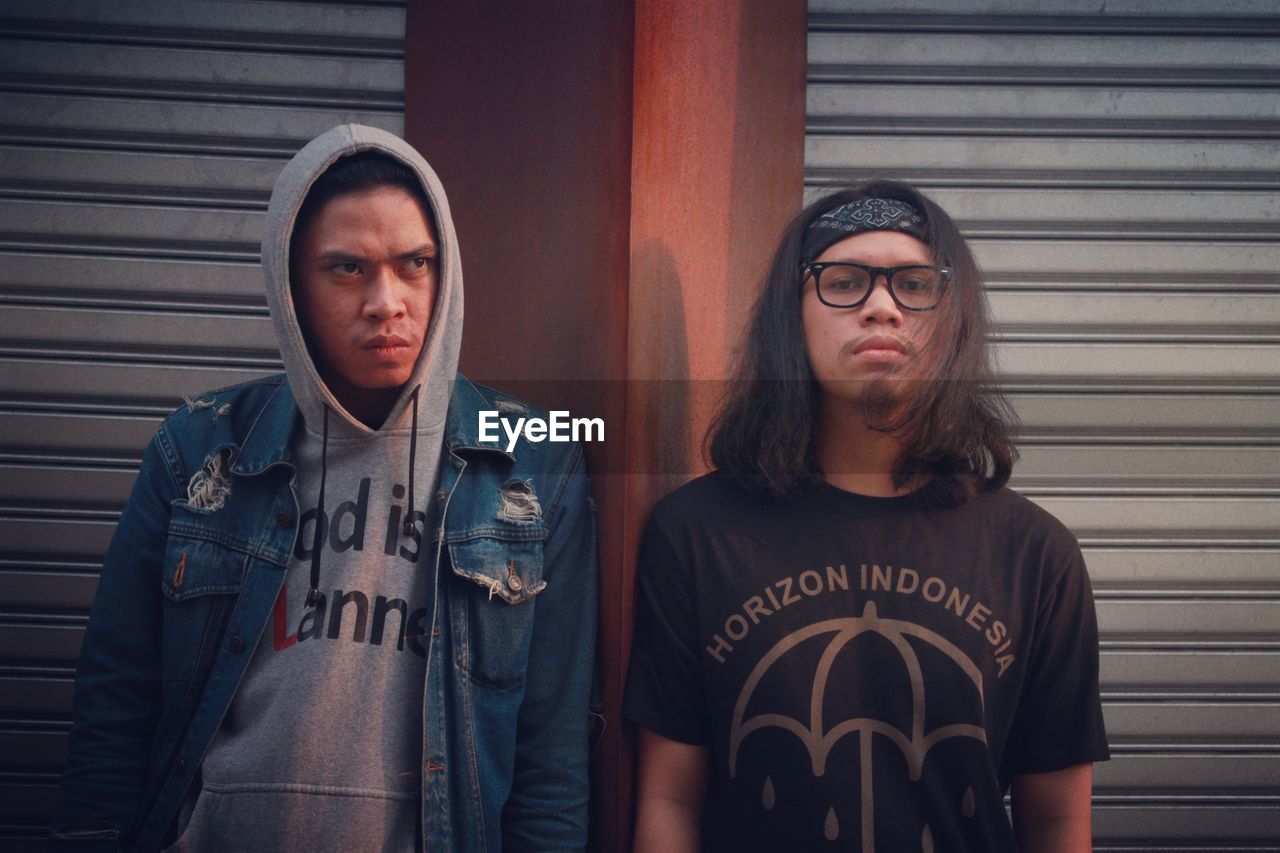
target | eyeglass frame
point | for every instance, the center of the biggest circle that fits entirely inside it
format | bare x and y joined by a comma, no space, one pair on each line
815,269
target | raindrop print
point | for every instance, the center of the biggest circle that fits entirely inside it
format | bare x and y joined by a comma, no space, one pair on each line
926,840
966,805
768,798
832,827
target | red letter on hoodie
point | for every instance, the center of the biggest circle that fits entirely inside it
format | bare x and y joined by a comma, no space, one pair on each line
280,627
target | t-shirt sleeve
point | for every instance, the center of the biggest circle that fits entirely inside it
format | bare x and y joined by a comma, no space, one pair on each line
664,691
1058,722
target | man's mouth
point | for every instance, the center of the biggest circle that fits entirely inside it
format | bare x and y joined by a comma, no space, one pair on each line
386,345
880,346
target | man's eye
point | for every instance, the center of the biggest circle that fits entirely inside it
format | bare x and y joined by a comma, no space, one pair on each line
842,284
346,269
915,284
417,264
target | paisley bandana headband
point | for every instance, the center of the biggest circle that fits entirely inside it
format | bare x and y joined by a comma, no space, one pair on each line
856,217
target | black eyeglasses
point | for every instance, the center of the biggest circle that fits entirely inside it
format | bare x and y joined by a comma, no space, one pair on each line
844,284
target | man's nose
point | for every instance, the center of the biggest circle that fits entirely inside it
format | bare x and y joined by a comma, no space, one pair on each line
880,307
384,298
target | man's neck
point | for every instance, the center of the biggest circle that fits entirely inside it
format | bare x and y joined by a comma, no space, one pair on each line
370,407
853,456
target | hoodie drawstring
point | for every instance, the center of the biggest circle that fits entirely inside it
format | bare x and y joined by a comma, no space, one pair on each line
413,457
317,541
313,595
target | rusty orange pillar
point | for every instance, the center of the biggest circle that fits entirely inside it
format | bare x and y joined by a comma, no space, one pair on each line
619,174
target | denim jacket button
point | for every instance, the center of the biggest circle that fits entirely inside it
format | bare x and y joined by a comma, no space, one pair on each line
514,582
237,645
284,519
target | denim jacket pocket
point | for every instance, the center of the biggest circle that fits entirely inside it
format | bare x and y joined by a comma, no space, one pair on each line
195,567
501,581
200,580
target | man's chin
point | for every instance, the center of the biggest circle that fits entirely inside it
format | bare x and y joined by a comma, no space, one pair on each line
888,385
379,384
387,378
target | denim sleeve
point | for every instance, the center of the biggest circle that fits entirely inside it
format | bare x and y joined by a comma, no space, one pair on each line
118,682
547,808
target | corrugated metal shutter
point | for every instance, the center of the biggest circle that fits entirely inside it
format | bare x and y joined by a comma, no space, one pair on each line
1117,175
138,145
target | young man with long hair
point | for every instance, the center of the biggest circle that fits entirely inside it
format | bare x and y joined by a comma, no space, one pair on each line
852,635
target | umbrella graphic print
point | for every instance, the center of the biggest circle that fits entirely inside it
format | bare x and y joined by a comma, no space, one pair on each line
819,736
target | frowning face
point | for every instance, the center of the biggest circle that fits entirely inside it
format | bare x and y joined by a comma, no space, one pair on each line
364,287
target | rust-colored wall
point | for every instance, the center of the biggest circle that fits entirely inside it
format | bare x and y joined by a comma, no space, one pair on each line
618,174
524,110
717,171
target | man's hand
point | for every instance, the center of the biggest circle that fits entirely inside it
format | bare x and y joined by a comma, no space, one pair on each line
670,789
1051,811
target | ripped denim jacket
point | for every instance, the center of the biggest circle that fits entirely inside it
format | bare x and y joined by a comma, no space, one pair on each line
508,682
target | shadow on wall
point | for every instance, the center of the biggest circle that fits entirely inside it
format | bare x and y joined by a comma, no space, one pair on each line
667,447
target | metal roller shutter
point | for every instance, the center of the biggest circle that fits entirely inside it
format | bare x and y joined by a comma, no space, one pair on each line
1116,172
138,145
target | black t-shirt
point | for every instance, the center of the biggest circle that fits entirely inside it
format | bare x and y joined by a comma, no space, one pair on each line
868,673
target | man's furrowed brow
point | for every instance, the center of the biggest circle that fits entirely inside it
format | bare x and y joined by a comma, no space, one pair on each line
426,250
337,256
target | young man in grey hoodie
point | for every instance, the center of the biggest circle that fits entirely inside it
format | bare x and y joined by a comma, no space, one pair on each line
332,618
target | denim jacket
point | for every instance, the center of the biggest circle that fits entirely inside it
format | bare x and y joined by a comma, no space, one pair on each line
509,665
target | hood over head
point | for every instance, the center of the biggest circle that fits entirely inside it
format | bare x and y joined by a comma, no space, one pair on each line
433,374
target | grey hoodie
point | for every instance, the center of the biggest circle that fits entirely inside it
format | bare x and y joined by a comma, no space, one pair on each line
321,747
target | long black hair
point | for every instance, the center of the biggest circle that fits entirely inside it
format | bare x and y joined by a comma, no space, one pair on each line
954,423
